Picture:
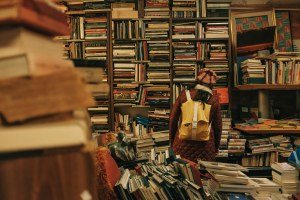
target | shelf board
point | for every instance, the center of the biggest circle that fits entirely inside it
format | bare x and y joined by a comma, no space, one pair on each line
133,106
201,19
131,39
184,81
87,39
200,39
269,131
98,10
124,19
267,87
156,18
216,61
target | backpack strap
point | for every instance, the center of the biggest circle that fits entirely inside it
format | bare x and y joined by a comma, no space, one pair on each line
188,95
195,120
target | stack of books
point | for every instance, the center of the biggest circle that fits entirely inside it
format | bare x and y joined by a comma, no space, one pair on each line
228,177
157,9
144,144
217,9
163,177
122,10
253,71
184,30
261,145
161,140
266,188
216,30
159,119
43,92
283,145
286,176
236,143
226,126
92,72
124,51
184,51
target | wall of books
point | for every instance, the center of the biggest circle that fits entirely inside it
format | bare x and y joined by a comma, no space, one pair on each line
152,50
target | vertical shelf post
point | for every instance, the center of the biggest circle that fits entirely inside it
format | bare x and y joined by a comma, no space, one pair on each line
263,104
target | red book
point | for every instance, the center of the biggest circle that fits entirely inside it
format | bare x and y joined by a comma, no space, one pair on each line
223,95
37,15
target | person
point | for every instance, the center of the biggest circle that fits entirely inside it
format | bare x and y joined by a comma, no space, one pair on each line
202,92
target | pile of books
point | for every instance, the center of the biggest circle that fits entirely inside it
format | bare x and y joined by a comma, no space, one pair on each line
286,176
43,92
161,140
157,9
227,177
266,188
163,177
253,71
261,145
283,145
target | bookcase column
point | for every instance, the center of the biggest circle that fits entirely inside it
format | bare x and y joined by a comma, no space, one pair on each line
263,104
298,102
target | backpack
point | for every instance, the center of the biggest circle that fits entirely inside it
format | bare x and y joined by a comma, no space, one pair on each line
195,120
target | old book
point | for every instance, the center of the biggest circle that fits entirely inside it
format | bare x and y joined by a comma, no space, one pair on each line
32,97
54,134
37,15
122,14
24,52
91,74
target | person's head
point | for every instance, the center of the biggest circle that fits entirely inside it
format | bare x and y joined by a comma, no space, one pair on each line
204,84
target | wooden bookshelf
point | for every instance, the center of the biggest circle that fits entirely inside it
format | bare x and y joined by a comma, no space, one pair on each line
269,131
267,87
120,35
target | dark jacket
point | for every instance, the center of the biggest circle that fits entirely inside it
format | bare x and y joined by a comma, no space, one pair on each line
193,150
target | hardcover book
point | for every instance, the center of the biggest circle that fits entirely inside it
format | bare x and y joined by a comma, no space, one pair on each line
37,15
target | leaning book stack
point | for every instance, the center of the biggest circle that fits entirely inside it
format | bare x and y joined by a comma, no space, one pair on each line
286,176
43,92
163,177
228,177
43,124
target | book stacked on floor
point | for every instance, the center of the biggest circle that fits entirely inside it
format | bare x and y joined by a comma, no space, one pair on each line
44,95
286,176
159,119
161,140
228,177
144,145
236,143
226,126
266,188
163,177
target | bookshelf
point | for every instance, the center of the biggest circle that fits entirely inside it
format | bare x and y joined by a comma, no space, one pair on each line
89,46
269,131
151,51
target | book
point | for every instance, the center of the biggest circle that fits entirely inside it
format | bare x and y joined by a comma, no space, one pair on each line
24,53
37,15
26,98
53,134
222,166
